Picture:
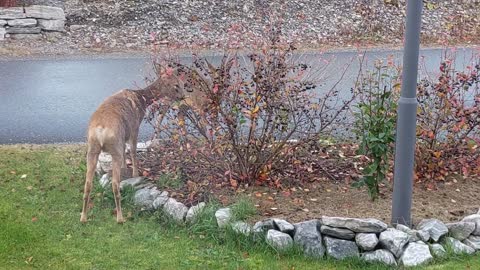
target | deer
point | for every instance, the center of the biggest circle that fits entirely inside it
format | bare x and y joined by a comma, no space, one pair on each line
117,121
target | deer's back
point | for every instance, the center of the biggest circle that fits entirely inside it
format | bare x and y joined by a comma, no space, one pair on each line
119,115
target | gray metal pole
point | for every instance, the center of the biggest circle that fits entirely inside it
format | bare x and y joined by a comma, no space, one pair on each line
407,118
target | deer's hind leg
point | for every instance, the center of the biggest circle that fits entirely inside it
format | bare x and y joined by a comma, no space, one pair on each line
92,158
117,160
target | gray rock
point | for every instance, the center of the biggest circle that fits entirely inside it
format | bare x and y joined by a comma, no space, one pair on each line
104,163
22,23
223,215
12,13
133,182
340,249
473,242
24,30
458,247
283,225
145,197
105,180
423,235
416,254
45,12
367,225
308,237
263,226
438,250
56,25
194,211
25,36
413,234
176,210
460,230
279,240
366,241
242,227
76,27
337,232
2,33
476,219
3,22
434,227
394,240
380,255
160,200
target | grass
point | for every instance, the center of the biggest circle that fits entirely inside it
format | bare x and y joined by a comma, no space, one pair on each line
40,203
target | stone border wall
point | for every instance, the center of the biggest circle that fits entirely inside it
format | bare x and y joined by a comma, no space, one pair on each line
336,237
30,22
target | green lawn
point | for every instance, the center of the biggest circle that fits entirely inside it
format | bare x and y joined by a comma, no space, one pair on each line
40,228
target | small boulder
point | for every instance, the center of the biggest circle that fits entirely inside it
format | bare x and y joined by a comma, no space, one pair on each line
283,225
45,12
366,241
264,226
176,210
340,249
194,211
473,242
434,227
104,163
475,219
105,180
145,197
423,235
438,250
337,232
307,236
24,30
58,26
458,247
11,13
358,225
381,256
22,23
160,200
133,182
460,230
416,254
279,240
223,215
413,234
242,228
394,240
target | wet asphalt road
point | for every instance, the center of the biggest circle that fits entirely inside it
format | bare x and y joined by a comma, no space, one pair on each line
51,100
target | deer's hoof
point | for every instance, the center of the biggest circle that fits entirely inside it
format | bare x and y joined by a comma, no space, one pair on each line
83,219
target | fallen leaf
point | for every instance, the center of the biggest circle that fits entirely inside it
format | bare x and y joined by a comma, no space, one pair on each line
34,219
23,176
29,188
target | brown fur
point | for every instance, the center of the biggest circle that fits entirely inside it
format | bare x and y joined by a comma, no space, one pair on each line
117,121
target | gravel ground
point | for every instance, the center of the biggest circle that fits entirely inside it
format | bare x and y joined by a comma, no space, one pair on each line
99,26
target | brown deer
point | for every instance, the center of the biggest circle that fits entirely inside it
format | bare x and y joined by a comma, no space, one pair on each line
117,121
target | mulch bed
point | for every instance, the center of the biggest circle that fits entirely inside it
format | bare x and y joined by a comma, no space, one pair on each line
315,182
